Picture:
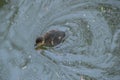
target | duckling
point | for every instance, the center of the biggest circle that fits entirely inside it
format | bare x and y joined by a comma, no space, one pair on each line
50,39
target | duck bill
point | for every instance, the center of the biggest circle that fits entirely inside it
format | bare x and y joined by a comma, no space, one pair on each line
38,46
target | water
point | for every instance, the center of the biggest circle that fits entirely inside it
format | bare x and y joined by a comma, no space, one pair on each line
91,50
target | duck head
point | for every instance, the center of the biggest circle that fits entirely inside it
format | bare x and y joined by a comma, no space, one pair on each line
39,42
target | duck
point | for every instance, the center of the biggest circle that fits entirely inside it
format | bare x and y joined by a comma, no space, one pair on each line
50,39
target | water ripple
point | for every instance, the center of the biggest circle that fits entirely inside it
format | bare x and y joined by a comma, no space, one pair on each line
90,50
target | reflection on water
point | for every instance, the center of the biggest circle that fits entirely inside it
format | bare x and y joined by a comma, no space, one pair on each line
90,51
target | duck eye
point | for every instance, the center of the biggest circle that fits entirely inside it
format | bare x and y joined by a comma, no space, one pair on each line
39,40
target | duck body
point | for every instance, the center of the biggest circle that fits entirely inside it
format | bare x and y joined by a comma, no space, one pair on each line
50,39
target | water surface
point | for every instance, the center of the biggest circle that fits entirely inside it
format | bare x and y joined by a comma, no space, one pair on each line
91,50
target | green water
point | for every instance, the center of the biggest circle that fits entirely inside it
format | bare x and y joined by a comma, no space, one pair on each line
2,3
91,50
